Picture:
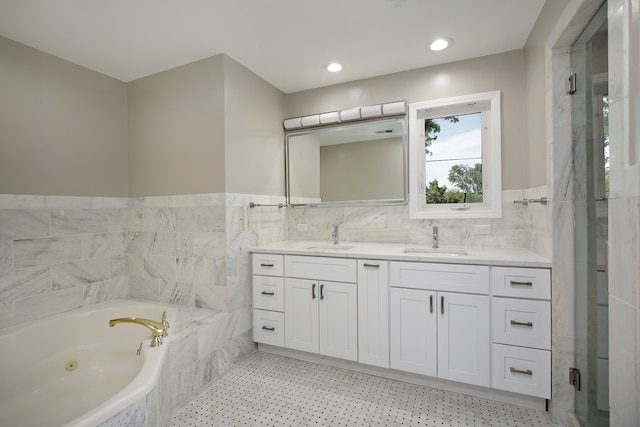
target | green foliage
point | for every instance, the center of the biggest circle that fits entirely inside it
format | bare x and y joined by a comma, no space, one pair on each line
436,194
467,179
432,129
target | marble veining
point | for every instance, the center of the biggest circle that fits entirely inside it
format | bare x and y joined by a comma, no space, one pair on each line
78,273
79,221
22,283
24,223
6,255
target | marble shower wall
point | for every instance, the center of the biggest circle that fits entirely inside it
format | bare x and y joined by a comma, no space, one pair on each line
520,226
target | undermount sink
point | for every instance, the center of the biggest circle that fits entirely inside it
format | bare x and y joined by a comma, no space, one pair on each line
436,252
330,247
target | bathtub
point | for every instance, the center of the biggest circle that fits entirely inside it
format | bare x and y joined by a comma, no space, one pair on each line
73,369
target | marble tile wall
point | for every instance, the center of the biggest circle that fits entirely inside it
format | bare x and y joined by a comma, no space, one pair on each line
520,226
60,253
624,212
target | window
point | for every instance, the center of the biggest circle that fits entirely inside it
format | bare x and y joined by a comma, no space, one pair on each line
455,157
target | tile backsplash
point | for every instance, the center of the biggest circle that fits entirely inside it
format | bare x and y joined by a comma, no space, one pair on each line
521,226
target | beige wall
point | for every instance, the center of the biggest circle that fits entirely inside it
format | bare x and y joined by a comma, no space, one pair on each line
176,131
254,137
211,126
535,92
355,171
304,167
63,128
504,72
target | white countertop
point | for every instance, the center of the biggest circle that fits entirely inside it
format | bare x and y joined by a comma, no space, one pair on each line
512,257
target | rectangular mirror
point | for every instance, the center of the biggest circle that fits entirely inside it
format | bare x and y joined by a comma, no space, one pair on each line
359,163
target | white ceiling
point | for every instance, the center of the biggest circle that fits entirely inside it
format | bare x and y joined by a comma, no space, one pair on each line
286,42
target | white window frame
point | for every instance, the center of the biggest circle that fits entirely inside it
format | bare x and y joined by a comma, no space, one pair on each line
491,207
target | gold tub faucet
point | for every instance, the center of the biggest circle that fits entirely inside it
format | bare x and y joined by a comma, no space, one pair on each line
158,329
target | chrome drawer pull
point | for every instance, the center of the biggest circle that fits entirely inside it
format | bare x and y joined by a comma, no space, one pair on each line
271,328
515,322
519,283
266,265
273,293
520,371
372,265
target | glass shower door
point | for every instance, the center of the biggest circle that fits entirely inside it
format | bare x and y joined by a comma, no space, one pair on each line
589,62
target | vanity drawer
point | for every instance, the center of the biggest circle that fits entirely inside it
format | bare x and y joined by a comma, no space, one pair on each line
268,293
522,370
440,277
321,268
268,327
519,322
521,282
268,264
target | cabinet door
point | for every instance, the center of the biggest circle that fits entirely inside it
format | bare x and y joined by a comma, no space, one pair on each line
373,312
301,314
338,308
413,331
463,338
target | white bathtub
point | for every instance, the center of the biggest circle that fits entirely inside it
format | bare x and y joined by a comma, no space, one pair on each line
36,389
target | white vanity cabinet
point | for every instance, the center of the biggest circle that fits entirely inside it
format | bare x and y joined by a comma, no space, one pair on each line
268,299
321,306
521,330
439,321
373,312
414,331
481,325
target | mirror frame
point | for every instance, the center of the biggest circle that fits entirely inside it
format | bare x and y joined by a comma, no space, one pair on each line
345,125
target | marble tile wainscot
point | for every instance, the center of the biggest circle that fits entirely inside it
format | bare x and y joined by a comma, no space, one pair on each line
60,253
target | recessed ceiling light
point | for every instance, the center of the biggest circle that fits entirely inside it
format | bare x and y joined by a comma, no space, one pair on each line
334,67
440,44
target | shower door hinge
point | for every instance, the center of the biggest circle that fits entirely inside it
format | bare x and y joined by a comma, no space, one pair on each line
574,377
571,84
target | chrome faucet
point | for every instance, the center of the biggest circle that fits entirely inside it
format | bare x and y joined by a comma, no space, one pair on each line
158,329
435,237
335,236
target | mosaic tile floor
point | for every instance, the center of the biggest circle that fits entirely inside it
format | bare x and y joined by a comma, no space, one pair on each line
270,390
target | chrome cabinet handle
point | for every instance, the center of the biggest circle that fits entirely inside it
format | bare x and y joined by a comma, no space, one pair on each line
519,283
268,293
372,265
442,305
520,371
430,303
313,291
268,328
321,291
266,265
515,322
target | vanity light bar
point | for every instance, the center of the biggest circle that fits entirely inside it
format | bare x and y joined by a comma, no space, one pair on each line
348,115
